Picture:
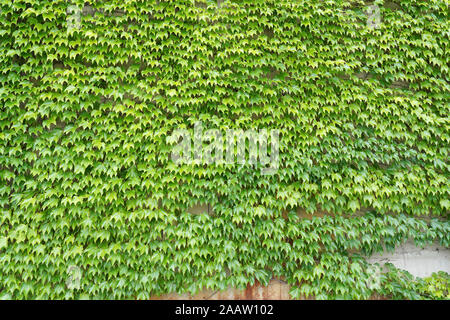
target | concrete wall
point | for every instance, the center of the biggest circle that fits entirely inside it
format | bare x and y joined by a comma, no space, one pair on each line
420,262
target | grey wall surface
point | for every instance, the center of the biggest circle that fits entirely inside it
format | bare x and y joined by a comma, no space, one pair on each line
420,262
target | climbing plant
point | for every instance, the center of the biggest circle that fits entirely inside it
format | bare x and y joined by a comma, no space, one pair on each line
92,206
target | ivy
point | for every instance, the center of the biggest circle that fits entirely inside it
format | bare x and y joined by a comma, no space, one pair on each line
91,90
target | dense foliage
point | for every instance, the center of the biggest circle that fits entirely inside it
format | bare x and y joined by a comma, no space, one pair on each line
86,178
